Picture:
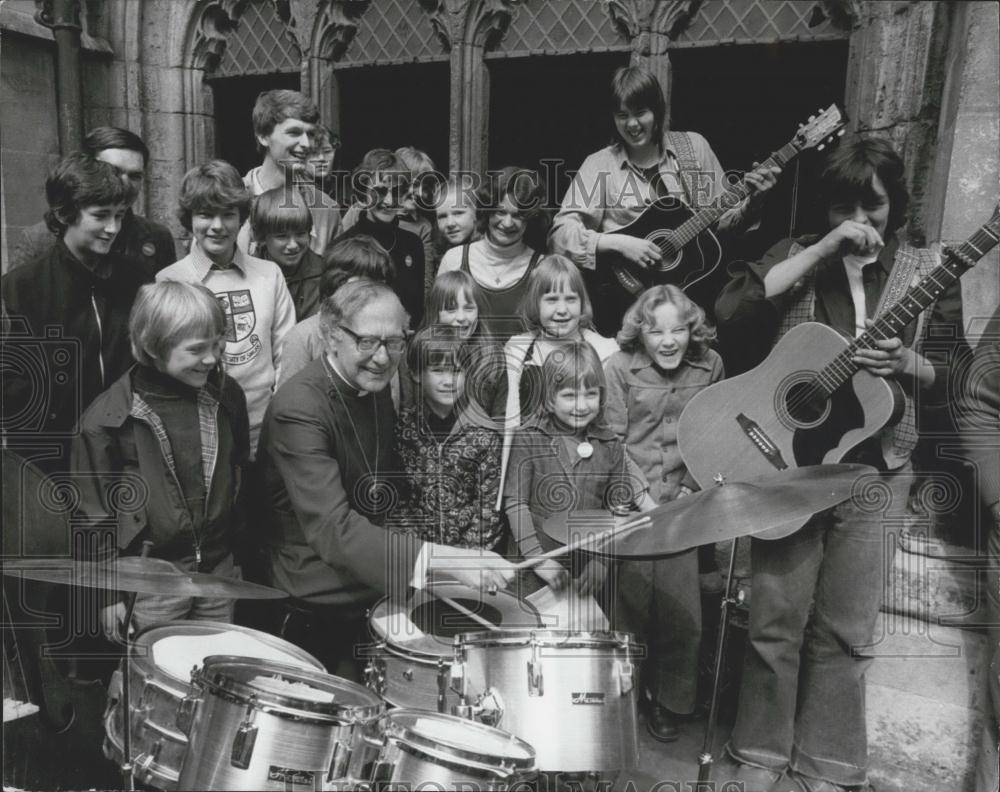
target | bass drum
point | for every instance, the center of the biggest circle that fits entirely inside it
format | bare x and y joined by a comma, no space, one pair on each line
261,725
410,665
530,681
162,659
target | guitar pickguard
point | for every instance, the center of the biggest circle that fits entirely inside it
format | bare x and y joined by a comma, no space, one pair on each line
810,445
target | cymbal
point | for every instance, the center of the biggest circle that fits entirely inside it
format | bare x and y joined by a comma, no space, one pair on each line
141,575
776,505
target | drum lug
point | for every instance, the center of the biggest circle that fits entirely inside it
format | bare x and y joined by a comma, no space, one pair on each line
458,676
489,708
626,677
185,712
375,676
408,674
340,761
144,761
442,682
246,736
536,680
382,774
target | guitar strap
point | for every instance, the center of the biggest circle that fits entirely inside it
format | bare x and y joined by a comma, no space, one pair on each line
910,264
687,163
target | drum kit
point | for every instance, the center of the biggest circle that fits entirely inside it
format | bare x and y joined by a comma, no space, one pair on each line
464,689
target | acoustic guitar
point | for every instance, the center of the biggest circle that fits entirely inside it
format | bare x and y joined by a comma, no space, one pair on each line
691,252
809,403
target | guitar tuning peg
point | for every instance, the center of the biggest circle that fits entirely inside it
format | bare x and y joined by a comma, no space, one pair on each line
821,146
840,133
812,118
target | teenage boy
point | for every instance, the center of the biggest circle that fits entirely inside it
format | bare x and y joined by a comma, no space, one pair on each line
214,204
281,222
285,124
179,424
73,302
381,183
140,240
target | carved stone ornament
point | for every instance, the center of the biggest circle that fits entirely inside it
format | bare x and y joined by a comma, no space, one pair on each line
337,27
478,22
214,20
843,14
666,17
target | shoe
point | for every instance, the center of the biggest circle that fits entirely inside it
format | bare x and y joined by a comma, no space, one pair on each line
661,723
750,778
801,783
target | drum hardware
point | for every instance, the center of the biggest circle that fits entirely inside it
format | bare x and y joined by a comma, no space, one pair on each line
375,673
536,682
245,738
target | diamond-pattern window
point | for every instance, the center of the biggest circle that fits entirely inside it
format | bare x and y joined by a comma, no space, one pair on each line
546,27
754,22
394,31
259,44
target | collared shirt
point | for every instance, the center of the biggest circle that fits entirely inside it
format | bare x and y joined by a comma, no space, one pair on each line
608,192
643,405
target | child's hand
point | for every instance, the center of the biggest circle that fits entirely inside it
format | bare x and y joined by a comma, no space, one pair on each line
553,573
592,578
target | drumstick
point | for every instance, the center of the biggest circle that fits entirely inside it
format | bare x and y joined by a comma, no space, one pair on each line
626,528
465,611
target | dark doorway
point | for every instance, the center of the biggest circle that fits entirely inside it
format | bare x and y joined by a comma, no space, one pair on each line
550,108
234,98
393,106
748,101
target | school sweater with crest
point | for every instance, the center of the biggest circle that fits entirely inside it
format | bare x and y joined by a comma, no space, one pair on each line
259,313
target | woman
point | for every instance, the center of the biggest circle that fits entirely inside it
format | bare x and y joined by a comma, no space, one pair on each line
644,162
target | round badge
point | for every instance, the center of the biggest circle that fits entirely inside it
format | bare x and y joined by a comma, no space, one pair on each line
149,249
585,450
408,261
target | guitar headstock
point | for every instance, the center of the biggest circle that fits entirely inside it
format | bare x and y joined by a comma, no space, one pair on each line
820,130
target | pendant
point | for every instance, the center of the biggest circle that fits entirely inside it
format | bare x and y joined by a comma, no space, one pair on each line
585,450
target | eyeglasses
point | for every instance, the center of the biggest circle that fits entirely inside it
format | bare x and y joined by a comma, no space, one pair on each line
370,344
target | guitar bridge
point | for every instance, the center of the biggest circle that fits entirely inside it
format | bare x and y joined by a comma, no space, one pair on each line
762,442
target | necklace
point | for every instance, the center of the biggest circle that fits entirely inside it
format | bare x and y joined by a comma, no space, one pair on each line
372,492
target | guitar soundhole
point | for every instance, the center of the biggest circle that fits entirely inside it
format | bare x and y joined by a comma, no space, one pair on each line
799,404
671,257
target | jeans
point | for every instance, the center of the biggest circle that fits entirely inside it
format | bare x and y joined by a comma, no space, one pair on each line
153,609
802,700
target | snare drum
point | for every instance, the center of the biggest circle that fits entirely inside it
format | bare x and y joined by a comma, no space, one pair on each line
411,663
416,749
162,658
569,694
260,725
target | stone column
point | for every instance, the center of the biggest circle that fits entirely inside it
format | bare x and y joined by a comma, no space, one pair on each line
467,29
333,31
649,26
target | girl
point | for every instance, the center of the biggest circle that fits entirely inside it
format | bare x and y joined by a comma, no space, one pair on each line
451,458
456,300
567,459
455,208
509,209
664,360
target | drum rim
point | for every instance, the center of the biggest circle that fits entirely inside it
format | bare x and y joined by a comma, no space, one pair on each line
212,678
190,627
407,735
546,637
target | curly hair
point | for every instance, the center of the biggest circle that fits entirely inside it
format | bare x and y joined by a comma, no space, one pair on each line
639,317
524,189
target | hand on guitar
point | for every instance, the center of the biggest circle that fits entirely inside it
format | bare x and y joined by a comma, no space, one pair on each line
850,237
636,249
891,359
761,179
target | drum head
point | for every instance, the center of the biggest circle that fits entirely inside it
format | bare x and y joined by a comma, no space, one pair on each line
288,691
175,648
450,736
566,639
427,626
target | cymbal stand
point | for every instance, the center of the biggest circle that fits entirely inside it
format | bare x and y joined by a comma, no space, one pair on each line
127,778
729,600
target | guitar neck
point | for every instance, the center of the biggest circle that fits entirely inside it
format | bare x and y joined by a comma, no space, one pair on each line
702,219
916,300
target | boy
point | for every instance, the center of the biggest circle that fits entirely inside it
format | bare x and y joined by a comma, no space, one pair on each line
281,222
451,457
179,424
76,298
319,166
801,724
381,182
146,243
214,204
284,123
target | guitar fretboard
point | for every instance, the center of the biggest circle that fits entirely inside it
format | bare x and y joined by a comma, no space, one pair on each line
917,299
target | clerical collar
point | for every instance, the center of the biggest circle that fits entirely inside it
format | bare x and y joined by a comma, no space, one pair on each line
332,371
